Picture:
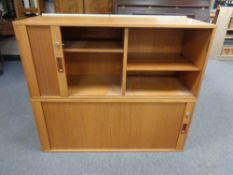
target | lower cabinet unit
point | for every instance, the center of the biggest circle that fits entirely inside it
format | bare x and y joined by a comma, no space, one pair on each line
113,83
113,125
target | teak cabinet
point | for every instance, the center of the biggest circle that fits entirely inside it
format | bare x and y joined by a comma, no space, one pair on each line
113,83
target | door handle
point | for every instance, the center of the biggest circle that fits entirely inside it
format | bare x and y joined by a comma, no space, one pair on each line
184,128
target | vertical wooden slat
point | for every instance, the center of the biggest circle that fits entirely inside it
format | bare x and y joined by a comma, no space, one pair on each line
124,73
42,53
58,53
98,7
68,6
41,125
27,61
186,120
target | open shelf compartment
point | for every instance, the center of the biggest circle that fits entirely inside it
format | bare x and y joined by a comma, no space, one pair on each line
156,62
94,85
94,74
161,84
92,39
170,49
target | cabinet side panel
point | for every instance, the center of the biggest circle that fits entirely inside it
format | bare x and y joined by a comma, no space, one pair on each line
27,61
41,126
197,44
117,126
43,56
186,122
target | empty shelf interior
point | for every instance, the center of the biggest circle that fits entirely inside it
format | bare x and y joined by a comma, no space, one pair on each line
93,67
94,85
155,86
92,39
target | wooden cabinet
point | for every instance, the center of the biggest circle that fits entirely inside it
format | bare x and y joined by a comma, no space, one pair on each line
113,83
84,6
198,9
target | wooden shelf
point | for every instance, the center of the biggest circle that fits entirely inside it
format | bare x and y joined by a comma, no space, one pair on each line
229,36
159,62
94,46
226,56
164,86
94,85
227,51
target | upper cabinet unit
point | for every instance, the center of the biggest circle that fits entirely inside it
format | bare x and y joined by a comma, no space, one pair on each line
82,60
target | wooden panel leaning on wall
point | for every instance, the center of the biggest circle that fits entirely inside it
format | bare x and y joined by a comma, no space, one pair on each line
113,83
22,11
84,6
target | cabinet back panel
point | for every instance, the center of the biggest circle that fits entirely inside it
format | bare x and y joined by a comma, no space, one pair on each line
155,40
43,58
91,33
113,125
195,45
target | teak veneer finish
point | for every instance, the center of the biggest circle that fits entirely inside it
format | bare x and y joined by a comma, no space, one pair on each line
131,87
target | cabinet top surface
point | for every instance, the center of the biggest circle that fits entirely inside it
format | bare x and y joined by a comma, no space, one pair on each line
115,21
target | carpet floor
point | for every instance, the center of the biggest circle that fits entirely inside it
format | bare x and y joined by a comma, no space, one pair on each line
209,148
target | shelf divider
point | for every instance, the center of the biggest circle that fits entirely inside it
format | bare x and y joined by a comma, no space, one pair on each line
125,54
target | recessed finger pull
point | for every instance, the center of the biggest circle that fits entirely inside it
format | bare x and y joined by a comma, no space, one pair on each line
60,65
